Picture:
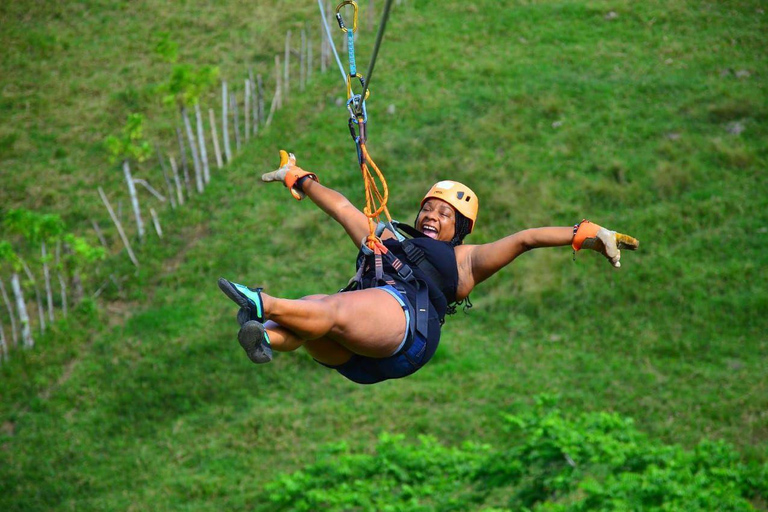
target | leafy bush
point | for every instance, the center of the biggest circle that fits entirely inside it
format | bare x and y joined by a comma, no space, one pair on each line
597,461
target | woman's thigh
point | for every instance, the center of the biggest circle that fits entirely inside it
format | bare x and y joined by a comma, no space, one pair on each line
367,322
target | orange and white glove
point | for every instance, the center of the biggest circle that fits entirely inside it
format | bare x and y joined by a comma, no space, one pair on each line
588,235
289,174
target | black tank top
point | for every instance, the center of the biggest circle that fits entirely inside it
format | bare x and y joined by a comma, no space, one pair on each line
442,257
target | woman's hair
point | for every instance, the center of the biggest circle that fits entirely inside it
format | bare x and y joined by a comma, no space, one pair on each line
461,227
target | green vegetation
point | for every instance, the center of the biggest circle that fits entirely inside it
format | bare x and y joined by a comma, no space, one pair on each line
598,461
651,120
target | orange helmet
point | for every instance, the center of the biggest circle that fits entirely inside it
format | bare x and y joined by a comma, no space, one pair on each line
458,195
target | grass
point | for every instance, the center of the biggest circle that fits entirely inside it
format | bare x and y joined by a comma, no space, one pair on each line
551,111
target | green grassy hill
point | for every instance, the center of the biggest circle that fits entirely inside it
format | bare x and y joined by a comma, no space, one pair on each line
652,121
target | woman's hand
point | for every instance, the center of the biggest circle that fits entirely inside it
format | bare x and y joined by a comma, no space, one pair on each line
289,174
606,242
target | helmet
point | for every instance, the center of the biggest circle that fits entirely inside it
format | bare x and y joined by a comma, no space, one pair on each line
458,195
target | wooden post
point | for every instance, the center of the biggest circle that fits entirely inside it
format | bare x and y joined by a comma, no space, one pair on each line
168,186
184,167
254,105
77,283
201,140
225,121
31,277
63,288
247,101
303,61
47,279
134,199
193,149
279,83
260,86
175,171
14,327
3,345
215,137
323,44
21,309
236,118
309,59
98,233
62,281
119,227
160,197
275,104
38,300
286,69
156,222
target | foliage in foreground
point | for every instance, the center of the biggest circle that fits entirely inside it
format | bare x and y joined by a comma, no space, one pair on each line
596,461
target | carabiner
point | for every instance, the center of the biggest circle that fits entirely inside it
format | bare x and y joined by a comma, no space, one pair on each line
341,21
362,82
356,108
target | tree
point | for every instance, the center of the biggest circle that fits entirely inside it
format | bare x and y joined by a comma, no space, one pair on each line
130,145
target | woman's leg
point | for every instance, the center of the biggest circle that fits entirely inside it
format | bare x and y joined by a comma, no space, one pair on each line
324,350
367,322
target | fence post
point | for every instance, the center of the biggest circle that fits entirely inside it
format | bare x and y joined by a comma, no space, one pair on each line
119,227
303,61
236,117
225,121
247,108
201,140
134,199
183,156
156,222
193,149
47,279
175,171
168,186
286,77
215,136
14,327
21,309
254,105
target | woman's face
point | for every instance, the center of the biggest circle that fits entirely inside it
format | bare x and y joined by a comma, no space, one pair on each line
437,220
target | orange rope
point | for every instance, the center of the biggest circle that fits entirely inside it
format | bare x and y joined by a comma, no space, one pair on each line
373,196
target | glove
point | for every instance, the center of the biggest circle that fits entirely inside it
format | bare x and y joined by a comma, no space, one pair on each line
588,235
289,174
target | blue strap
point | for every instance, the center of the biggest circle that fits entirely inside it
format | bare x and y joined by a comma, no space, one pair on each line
351,52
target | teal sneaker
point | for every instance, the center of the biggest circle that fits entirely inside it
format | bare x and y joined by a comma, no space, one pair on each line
249,300
255,341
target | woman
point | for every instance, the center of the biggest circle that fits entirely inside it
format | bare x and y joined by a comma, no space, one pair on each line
386,325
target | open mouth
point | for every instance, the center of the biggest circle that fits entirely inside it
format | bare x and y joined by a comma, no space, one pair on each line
430,231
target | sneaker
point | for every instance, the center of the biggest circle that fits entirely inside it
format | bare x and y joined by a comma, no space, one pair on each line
249,300
255,341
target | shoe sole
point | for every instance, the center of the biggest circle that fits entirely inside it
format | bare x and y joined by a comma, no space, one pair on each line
251,338
231,292
237,297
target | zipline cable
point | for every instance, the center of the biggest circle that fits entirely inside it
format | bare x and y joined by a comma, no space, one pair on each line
379,37
330,41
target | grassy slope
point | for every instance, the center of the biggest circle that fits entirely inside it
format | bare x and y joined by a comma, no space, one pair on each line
163,411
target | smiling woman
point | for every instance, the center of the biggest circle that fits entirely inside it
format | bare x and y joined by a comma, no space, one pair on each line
386,323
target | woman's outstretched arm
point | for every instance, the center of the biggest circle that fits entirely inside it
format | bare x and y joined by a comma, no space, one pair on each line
339,208
304,184
479,262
